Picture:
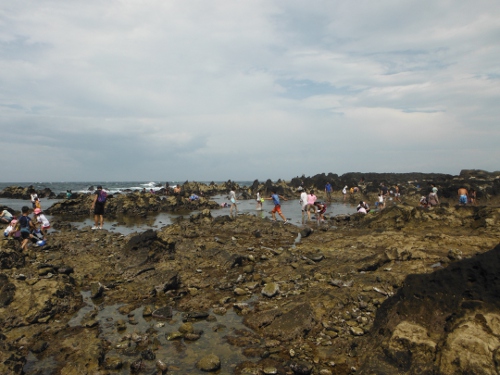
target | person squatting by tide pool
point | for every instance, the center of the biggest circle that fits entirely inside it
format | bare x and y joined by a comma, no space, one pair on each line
25,229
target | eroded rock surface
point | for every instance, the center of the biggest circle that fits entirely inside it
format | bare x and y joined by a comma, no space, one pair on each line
405,290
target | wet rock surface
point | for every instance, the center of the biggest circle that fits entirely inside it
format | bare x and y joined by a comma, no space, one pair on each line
404,290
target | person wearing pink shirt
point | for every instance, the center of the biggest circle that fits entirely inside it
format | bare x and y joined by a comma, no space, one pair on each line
311,198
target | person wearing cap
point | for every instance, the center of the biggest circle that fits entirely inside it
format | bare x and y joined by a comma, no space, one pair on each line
42,220
6,217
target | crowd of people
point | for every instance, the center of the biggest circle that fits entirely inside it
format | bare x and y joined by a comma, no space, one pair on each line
35,228
25,228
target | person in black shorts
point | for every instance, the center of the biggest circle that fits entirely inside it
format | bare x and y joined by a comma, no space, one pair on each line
26,225
98,207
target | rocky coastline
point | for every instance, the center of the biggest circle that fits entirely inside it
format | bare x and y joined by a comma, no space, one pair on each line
405,290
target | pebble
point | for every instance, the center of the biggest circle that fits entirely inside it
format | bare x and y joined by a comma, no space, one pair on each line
209,363
160,365
270,290
270,370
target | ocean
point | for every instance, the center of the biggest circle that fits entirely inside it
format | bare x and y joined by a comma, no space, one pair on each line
110,186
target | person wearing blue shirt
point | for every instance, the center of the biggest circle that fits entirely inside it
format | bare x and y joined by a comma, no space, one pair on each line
328,191
277,207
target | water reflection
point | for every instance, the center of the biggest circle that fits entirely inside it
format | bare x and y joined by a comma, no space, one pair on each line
143,333
128,224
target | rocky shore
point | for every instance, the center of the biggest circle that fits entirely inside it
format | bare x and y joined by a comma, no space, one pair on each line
405,290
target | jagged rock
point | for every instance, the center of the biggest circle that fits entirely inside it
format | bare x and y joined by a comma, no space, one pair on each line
410,345
7,291
96,290
10,258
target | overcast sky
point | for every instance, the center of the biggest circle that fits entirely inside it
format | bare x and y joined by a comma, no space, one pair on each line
213,90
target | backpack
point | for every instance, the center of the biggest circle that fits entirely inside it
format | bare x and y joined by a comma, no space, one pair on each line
101,197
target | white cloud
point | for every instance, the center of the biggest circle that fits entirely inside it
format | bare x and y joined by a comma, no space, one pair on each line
248,89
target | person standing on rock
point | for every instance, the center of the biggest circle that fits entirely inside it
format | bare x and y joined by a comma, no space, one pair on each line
98,207
277,207
303,204
232,198
383,190
462,196
311,198
259,201
397,193
344,192
380,204
328,191
472,197
33,197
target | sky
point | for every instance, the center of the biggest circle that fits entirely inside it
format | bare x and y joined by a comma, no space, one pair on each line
206,90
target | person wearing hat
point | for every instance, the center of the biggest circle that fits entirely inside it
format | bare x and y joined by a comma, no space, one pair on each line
42,220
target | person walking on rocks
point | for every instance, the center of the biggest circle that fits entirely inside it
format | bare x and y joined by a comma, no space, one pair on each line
26,226
277,207
98,207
